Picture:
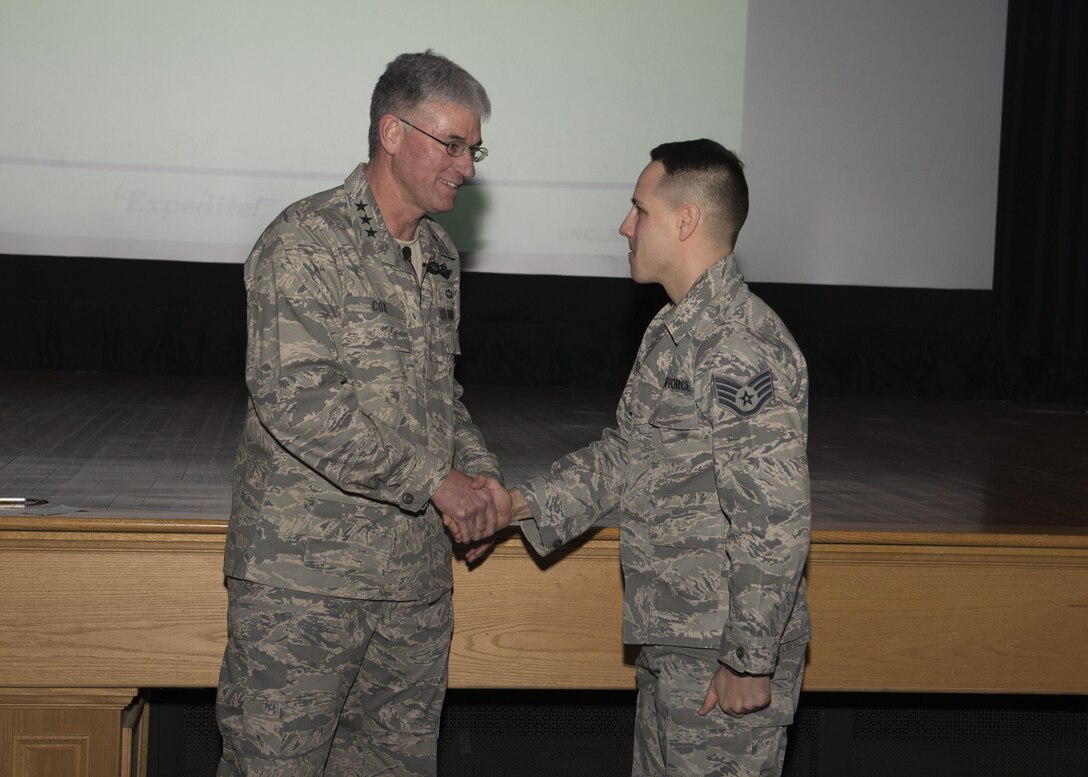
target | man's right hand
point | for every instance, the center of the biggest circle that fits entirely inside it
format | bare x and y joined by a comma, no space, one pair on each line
509,503
470,507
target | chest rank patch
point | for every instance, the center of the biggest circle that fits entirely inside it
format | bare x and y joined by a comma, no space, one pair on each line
744,399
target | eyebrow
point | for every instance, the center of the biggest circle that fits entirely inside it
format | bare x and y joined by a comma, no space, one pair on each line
461,139
455,136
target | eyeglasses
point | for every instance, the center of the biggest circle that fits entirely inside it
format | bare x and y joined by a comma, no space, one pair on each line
453,147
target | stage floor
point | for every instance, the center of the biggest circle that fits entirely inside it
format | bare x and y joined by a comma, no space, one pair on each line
153,446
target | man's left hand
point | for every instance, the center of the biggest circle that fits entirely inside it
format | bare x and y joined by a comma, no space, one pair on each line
735,694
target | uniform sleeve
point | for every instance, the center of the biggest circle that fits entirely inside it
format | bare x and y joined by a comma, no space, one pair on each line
578,489
470,453
757,408
300,389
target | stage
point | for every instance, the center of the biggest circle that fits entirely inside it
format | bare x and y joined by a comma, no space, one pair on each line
160,446
949,554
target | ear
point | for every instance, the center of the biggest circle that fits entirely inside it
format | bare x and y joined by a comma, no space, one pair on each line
688,217
390,133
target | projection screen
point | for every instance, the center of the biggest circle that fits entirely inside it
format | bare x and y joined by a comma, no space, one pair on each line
144,129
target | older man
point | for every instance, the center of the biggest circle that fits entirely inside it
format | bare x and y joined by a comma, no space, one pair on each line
708,470
355,443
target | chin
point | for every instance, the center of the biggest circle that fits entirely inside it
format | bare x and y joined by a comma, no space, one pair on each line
445,204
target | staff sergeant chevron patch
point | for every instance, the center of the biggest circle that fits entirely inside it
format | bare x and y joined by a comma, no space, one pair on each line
744,399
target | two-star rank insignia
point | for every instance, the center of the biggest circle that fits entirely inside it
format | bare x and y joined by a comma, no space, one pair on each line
744,399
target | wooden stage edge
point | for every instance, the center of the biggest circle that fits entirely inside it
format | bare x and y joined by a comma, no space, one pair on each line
139,602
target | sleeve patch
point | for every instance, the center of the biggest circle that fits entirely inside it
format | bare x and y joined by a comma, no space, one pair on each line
744,399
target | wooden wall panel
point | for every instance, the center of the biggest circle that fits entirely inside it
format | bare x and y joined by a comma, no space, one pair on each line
145,607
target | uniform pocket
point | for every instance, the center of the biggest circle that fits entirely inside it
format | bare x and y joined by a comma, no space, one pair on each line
687,557
680,461
277,698
376,342
675,410
688,528
379,336
444,348
379,355
349,543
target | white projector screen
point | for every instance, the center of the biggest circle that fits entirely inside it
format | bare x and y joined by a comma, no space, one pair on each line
872,133
144,129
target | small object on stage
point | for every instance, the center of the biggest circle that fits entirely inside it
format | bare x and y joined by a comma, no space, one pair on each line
21,502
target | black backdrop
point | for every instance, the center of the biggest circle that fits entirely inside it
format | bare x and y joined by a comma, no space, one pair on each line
1041,257
1025,340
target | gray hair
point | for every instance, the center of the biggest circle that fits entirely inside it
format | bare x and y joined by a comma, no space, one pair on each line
411,80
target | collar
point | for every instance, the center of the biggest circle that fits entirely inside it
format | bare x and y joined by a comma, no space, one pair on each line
375,238
720,286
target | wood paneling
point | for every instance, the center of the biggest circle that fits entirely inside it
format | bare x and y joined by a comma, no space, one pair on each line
67,732
904,612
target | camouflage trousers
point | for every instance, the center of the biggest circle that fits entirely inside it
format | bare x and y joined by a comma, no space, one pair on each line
314,685
671,739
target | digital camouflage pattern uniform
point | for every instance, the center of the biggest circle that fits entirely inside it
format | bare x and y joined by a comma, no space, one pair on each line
335,557
707,467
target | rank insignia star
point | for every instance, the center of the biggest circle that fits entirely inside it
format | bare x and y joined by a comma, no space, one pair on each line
744,399
360,205
371,232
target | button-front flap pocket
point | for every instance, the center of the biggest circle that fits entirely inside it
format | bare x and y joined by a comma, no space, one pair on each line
675,410
687,528
376,324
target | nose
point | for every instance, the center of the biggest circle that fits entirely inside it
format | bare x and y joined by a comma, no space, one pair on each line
626,227
464,165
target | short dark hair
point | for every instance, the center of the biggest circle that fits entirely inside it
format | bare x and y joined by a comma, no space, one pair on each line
411,80
711,174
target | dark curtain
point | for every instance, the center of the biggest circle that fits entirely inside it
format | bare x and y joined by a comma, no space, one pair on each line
121,315
1041,259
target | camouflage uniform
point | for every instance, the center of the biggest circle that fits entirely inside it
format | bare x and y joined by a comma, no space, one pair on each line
354,420
707,467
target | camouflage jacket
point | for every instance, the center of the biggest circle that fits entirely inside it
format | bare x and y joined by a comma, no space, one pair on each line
354,415
707,467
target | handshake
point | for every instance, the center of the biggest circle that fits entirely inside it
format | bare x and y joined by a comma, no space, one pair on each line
473,509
